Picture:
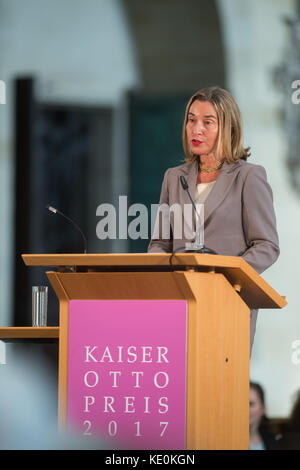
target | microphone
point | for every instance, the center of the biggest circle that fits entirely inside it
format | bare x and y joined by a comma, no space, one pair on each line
56,211
186,188
201,248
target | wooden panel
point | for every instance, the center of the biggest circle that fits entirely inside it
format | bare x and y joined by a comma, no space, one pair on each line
63,347
29,332
120,286
255,291
218,345
218,364
129,259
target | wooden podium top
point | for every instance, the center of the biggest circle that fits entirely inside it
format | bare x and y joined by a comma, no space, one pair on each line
136,259
247,282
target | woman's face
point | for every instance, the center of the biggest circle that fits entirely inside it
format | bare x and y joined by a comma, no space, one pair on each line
202,127
256,408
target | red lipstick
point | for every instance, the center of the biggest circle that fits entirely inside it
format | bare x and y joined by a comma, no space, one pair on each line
196,142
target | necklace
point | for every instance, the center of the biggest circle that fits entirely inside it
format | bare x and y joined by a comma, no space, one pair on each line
209,170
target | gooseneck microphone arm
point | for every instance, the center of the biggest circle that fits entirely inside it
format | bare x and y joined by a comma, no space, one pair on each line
56,211
185,186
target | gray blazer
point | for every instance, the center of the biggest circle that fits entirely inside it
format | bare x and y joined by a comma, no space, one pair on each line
239,217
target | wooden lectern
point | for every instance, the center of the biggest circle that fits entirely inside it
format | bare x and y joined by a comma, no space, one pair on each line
219,290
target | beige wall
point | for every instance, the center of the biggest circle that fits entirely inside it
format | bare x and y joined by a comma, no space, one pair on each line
255,37
83,54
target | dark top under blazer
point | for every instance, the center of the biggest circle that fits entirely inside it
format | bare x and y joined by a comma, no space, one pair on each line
239,217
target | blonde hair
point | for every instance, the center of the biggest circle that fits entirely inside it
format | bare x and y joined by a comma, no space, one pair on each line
229,140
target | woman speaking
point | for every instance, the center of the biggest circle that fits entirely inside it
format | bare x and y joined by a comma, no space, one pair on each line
239,218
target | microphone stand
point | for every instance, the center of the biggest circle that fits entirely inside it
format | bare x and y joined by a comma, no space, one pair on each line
197,246
56,211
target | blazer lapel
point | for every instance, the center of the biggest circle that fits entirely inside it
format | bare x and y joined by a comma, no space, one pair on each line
225,179
223,184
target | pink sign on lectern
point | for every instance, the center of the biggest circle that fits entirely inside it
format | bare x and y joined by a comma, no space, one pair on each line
127,372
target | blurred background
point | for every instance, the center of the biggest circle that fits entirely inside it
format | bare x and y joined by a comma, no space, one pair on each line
95,98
